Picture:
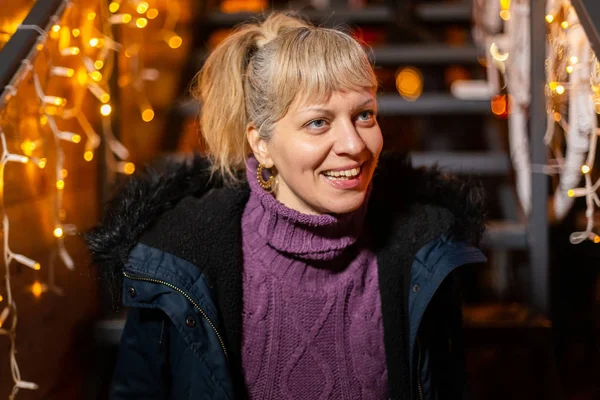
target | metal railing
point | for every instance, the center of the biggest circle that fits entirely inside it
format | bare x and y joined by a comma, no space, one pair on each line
22,45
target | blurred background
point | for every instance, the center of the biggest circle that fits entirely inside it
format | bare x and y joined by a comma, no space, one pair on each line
92,90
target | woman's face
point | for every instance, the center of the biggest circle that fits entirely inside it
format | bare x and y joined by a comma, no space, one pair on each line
325,154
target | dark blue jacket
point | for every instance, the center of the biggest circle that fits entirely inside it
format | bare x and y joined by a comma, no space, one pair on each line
171,242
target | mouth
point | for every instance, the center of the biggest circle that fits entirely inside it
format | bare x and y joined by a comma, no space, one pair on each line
343,174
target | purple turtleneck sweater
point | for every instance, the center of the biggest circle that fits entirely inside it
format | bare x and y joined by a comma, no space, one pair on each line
312,325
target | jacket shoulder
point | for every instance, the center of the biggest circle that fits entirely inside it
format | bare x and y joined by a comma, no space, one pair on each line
206,222
428,198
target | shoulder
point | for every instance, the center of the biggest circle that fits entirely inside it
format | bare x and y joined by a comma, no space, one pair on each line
161,204
419,201
199,222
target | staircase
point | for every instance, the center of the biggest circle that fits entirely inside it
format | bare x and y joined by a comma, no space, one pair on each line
509,231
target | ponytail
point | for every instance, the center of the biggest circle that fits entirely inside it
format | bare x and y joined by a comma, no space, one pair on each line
221,90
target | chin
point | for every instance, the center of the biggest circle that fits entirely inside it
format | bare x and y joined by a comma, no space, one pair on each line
345,205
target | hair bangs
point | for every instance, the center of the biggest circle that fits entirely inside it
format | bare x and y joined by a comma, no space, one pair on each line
317,62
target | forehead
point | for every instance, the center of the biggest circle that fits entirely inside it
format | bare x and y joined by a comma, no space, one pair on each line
341,98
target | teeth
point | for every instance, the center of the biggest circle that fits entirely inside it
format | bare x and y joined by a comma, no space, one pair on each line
350,173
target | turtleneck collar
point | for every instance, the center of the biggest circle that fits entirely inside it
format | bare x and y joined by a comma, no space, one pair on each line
310,237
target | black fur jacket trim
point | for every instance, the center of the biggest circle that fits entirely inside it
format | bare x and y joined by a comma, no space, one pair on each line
397,185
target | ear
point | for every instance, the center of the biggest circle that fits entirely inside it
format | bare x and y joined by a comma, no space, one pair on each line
259,147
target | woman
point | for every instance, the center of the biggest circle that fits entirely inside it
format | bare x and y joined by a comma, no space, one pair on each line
287,266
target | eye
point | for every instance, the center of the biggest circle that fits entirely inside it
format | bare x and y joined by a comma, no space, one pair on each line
366,115
317,124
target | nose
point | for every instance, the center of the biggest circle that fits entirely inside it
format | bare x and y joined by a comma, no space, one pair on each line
348,140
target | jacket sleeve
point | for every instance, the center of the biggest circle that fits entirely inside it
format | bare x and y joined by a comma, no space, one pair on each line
142,368
443,333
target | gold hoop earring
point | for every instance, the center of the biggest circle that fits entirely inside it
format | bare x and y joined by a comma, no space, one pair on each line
268,184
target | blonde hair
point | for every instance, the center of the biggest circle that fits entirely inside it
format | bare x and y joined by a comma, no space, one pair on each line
255,74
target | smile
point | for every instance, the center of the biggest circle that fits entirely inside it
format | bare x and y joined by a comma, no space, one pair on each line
343,174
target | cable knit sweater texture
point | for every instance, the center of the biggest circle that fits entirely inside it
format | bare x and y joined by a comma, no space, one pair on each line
312,325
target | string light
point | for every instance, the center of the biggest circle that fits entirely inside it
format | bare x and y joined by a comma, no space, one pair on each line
97,57
120,19
142,7
58,232
70,51
148,115
175,41
62,71
141,22
105,109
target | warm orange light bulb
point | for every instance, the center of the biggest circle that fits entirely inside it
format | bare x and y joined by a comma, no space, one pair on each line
142,7
148,115
175,41
141,22
105,109
96,76
129,168
88,155
37,289
58,232
60,185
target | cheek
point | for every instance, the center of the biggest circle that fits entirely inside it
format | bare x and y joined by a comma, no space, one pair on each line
300,157
374,141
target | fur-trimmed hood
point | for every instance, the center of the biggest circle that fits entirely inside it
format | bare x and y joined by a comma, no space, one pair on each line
396,187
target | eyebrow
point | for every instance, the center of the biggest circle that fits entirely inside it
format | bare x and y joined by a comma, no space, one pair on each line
325,110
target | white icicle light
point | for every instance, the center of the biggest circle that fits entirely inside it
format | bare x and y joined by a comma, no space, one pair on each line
28,262
4,316
69,136
66,258
582,117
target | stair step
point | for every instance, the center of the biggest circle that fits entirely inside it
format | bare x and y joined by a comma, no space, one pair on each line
505,235
430,104
396,55
394,105
445,12
373,15
480,163
423,54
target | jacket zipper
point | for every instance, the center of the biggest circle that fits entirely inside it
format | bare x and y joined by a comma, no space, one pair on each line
187,296
419,385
